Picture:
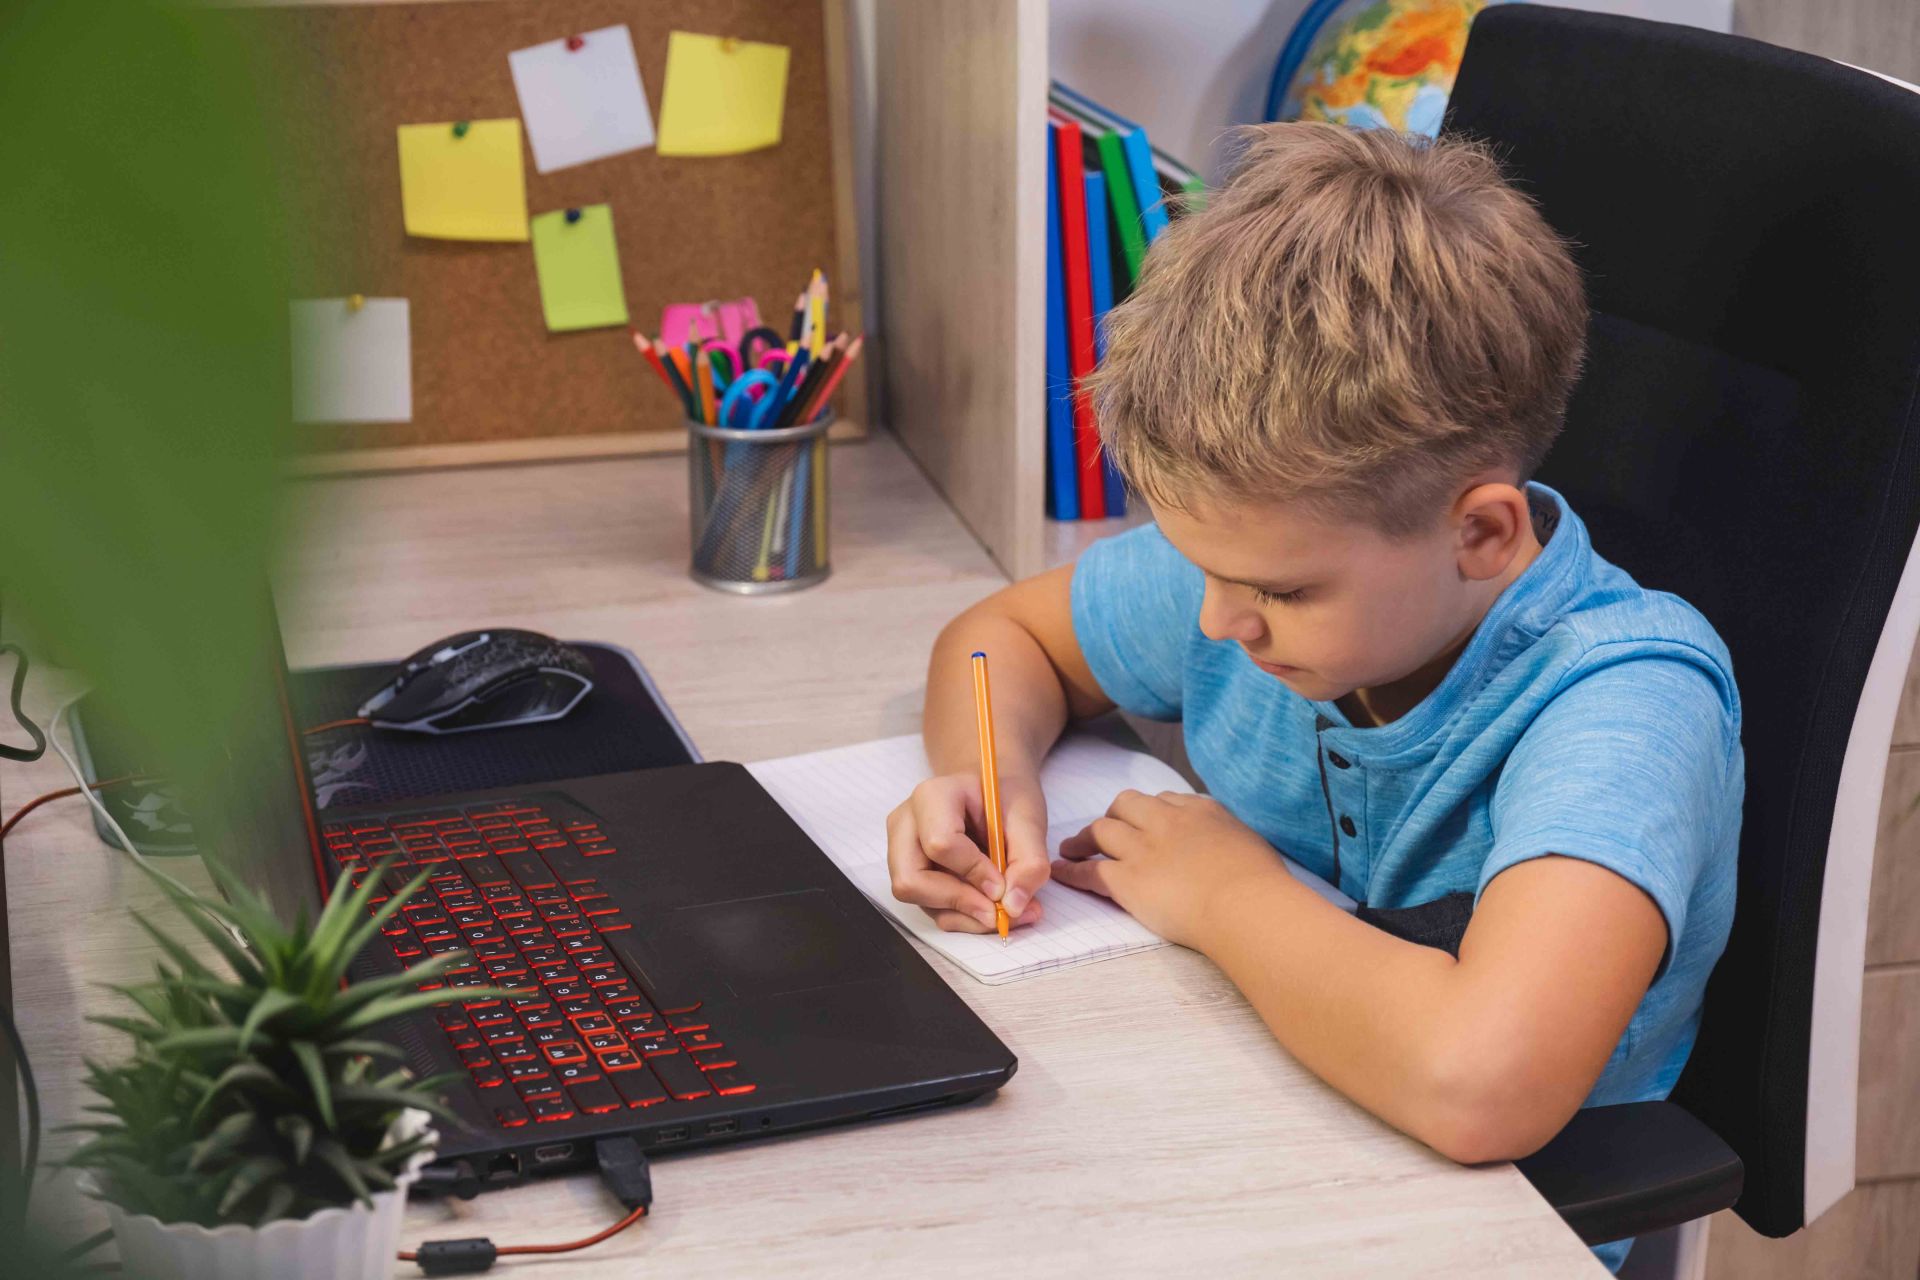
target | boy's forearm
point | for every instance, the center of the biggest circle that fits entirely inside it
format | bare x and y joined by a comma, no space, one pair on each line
1367,1012
1029,704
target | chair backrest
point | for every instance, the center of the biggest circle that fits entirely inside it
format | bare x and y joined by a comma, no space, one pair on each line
1746,436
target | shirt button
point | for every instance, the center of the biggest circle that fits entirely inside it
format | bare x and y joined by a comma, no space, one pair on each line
1346,825
1339,761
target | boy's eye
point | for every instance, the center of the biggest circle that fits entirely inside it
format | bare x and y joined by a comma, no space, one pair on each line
1283,597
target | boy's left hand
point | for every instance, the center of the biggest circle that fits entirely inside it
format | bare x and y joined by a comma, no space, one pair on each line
1168,857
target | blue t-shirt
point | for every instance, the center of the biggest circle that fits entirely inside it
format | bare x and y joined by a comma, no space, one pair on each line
1587,717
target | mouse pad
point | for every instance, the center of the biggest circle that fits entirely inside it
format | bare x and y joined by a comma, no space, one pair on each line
623,724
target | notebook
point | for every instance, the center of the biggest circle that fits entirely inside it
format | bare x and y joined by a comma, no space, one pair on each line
841,798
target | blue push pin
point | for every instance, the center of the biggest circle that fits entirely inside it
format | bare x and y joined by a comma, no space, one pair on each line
573,216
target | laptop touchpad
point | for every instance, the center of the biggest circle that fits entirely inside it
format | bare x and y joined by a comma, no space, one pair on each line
783,942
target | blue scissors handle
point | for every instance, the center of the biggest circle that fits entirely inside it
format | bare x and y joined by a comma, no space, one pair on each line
737,394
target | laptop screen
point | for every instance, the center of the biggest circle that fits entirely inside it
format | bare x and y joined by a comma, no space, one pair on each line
259,818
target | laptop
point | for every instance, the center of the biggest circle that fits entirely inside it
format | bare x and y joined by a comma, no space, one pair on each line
700,973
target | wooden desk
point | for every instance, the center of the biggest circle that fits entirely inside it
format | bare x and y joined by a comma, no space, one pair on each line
1154,1128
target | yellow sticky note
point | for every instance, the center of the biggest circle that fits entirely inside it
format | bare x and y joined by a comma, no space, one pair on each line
463,181
723,96
579,267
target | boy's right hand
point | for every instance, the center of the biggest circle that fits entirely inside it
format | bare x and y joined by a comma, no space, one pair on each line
936,851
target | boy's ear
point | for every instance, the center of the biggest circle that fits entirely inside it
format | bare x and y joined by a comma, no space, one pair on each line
1491,522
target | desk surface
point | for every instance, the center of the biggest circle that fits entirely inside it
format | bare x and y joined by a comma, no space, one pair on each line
1154,1127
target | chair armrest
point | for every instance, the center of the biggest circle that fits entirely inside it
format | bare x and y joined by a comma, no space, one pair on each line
1625,1170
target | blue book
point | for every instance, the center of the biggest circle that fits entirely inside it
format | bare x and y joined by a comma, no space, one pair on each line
1133,139
1063,495
1100,259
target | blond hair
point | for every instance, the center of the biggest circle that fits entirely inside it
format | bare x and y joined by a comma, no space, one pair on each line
1359,320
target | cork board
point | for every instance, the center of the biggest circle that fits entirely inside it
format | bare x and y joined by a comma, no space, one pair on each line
485,369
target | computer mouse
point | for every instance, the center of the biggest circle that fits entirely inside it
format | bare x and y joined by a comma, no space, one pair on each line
489,679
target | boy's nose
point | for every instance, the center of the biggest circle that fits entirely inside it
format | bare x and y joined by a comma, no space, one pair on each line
1221,619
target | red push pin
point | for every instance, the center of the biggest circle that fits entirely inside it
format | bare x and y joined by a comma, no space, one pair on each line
576,43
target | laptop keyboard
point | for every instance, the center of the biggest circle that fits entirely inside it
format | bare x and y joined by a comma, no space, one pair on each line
519,890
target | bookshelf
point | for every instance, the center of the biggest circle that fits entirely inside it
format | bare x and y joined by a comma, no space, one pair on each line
960,174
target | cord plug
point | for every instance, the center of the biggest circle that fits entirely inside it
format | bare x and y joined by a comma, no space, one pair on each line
456,1257
623,1167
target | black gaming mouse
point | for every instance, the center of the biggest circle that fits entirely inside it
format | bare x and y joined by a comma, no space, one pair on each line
482,680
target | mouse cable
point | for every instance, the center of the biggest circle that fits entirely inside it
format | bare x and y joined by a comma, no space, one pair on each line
30,1156
333,724
62,794
25,755
623,1168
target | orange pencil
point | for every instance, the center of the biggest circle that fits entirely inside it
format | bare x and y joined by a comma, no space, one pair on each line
990,784
703,374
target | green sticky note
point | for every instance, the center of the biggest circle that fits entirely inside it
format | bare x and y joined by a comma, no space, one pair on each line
463,180
723,96
579,267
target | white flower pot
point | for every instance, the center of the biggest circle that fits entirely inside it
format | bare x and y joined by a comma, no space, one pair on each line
352,1242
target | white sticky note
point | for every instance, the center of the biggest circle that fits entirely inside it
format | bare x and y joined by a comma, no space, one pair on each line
351,365
582,103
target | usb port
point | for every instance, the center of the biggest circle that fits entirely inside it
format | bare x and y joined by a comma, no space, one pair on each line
552,1154
722,1126
676,1134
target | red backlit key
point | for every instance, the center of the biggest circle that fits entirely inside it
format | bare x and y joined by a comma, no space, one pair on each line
475,1058
595,1097
606,1040
489,1077
682,1079
564,1051
510,1115
567,866
591,1022
612,922
700,1040
576,1073
685,1022
639,1088
547,1110
528,871
729,1083
618,1060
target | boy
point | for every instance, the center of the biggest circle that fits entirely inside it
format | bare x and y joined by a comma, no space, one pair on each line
1396,660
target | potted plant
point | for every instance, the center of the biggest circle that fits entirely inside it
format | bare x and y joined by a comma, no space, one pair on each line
255,1130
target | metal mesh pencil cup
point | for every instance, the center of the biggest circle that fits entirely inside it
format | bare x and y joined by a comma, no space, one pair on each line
757,506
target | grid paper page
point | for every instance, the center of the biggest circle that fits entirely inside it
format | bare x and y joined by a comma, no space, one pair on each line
841,799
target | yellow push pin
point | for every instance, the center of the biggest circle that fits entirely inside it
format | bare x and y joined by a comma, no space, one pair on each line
729,43
355,302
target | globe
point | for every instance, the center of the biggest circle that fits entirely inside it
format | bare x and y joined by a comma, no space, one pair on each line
1383,64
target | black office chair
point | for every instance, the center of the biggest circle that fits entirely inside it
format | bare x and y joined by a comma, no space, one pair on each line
1746,435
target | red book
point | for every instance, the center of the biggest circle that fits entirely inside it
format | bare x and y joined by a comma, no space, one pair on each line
1073,257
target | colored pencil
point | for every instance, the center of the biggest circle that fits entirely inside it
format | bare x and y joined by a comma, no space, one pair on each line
645,348
818,315
799,322
839,371
990,785
703,375
676,362
817,368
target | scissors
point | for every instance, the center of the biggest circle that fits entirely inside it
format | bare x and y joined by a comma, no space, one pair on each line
724,358
756,344
739,393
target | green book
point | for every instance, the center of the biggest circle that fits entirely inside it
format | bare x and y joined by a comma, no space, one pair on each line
1178,180
1113,162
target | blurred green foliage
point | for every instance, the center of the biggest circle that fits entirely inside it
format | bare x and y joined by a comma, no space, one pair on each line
143,364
